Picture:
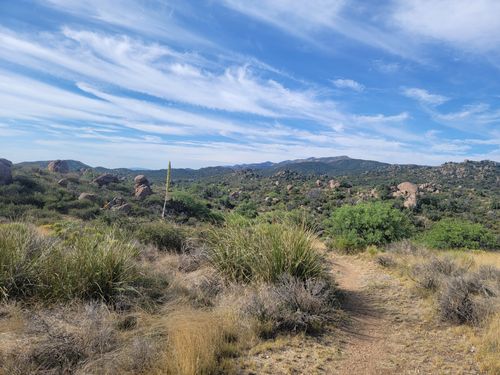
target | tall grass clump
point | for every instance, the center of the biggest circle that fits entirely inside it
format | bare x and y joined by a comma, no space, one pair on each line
95,264
21,251
92,267
264,252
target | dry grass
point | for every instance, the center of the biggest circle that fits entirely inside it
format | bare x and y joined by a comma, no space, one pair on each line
466,289
200,342
488,343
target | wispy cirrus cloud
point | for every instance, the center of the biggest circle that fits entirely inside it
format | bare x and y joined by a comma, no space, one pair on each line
424,96
345,83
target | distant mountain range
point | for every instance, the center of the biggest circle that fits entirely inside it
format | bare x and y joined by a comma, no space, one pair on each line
338,165
330,166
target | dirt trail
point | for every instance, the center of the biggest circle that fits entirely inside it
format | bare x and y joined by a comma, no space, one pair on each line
389,330
367,331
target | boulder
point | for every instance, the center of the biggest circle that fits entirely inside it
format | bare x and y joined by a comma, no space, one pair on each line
142,188
142,191
5,172
58,166
319,183
88,196
124,208
105,179
407,188
63,182
141,180
289,187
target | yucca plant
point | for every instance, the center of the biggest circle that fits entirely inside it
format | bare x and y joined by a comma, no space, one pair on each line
167,189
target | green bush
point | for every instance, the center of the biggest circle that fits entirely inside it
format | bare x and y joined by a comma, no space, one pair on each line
184,203
247,209
264,252
162,235
373,223
455,234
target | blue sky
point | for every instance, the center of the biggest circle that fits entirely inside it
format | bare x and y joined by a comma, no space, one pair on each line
137,83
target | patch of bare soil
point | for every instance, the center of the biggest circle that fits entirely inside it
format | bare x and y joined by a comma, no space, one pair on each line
389,330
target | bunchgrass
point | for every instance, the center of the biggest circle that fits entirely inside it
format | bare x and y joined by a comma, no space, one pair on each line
91,266
264,252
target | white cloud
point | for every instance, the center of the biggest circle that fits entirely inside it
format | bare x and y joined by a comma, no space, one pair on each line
474,25
424,96
344,83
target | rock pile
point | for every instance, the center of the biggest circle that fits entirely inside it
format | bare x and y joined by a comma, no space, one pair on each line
105,179
333,184
5,172
141,187
118,204
58,166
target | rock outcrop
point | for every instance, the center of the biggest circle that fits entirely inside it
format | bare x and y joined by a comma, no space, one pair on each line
141,188
408,191
105,179
5,172
58,166
333,184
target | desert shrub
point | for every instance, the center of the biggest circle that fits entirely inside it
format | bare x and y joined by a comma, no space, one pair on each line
264,252
386,261
291,304
431,275
470,298
184,203
454,233
374,223
163,235
247,209
66,341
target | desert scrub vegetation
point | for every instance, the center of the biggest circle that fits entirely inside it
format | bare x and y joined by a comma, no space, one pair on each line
372,223
163,235
291,305
460,234
264,252
95,266
463,287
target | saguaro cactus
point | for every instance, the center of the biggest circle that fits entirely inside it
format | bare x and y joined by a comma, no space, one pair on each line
167,189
